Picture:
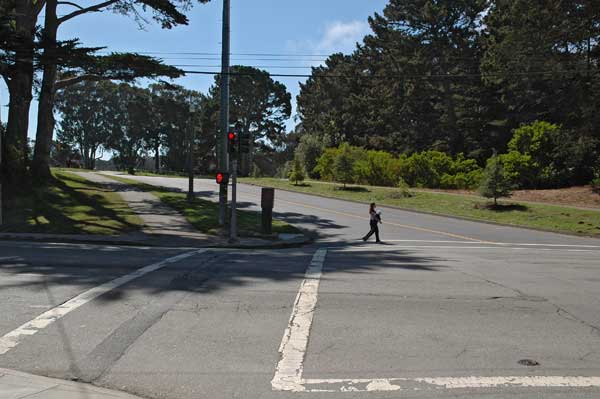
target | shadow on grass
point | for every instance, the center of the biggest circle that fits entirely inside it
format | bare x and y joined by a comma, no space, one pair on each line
302,185
354,189
68,206
502,207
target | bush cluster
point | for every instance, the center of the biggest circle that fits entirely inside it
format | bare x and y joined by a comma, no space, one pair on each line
539,155
543,155
430,169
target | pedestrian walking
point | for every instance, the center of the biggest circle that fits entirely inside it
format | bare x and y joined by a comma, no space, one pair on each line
374,220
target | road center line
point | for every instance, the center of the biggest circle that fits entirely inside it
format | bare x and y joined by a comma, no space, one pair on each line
288,374
13,338
405,226
470,247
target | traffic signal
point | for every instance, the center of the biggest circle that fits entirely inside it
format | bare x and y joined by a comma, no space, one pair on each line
222,178
245,142
232,142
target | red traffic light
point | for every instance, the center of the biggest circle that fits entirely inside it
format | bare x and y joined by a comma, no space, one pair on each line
222,178
231,136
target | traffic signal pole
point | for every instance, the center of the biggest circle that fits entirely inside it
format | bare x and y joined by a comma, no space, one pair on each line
222,158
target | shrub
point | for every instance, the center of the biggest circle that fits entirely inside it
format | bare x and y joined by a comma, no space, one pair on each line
519,168
376,169
324,167
403,190
309,150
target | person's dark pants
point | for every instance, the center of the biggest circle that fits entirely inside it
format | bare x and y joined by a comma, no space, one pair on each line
374,230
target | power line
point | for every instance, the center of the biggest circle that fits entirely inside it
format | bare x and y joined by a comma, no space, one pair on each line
407,76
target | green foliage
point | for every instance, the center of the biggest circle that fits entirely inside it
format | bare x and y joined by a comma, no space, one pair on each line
432,169
309,150
259,104
535,139
388,94
495,184
325,164
343,165
297,173
376,169
403,190
544,155
519,168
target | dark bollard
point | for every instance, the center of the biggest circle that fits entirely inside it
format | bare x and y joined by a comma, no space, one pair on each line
267,201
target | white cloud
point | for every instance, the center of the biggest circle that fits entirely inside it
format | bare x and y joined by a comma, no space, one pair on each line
342,36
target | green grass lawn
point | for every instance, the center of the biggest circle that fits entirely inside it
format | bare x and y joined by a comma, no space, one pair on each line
203,214
70,204
546,217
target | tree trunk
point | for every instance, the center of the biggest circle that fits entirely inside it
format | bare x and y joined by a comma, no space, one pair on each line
45,126
157,157
20,85
15,156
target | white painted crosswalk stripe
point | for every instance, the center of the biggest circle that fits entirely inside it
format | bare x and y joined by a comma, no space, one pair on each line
13,338
288,375
294,345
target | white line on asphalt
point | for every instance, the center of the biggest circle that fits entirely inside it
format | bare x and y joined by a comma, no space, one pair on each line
501,243
471,247
3,258
472,382
288,374
13,338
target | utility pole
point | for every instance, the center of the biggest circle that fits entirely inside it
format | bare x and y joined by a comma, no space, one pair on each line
191,137
223,159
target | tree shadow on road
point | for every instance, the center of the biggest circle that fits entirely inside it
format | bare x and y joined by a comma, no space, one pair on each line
203,273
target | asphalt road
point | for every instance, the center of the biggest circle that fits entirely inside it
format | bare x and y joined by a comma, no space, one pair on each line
445,309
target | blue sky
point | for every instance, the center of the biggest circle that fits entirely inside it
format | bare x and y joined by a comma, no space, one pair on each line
282,27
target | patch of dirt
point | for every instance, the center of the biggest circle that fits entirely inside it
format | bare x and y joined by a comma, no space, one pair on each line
581,196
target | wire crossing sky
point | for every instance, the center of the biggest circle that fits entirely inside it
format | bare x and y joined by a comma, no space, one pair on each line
288,35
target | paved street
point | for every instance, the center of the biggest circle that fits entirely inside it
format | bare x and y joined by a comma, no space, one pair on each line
445,308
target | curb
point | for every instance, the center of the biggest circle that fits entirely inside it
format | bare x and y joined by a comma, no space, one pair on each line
279,244
464,218
25,385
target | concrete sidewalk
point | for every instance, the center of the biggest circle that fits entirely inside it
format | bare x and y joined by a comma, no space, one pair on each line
18,385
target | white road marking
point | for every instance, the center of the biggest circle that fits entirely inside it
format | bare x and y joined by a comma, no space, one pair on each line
4,258
13,338
294,344
288,374
383,248
471,382
500,243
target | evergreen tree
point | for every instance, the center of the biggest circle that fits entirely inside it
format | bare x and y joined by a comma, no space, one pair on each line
343,166
297,172
495,184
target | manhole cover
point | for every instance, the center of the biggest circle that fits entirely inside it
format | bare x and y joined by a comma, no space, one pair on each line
528,362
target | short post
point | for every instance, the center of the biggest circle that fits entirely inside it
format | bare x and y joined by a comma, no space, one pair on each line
267,201
233,227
